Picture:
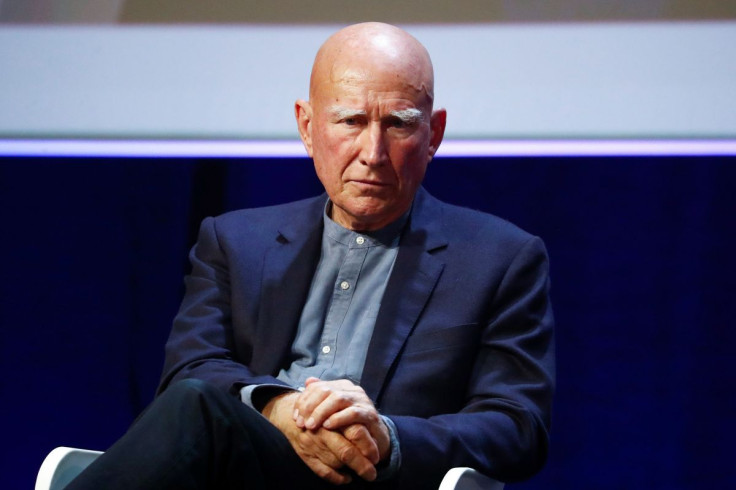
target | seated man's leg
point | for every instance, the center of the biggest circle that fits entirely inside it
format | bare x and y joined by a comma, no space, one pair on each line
197,436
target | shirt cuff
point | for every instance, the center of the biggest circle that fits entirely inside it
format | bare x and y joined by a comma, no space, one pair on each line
256,396
389,469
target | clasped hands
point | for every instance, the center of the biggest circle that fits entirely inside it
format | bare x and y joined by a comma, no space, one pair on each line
332,425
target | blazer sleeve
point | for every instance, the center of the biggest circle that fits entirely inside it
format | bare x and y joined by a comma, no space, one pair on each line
201,344
502,429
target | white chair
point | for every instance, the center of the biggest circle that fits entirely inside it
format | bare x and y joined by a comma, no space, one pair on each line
468,479
64,463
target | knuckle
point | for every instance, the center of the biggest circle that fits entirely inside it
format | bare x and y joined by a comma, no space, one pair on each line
342,398
347,453
353,431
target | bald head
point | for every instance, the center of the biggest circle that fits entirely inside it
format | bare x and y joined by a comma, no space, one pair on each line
369,124
361,51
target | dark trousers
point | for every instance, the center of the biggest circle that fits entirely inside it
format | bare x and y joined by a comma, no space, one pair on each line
197,436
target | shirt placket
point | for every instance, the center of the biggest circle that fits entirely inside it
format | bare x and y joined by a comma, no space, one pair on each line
342,295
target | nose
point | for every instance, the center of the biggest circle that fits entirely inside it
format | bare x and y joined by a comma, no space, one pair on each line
373,151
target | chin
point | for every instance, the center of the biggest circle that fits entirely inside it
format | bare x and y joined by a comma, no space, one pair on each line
369,208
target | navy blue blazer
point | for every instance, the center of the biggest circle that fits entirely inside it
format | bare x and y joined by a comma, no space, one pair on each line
462,356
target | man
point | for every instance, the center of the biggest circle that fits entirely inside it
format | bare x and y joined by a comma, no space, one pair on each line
383,336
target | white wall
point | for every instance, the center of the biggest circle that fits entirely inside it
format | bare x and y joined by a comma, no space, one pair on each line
531,81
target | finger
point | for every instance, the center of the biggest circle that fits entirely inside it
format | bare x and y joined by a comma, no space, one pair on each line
306,402
354,414
319,455
334,385
328,473
335,403
366,417
349,454
321,399
362,439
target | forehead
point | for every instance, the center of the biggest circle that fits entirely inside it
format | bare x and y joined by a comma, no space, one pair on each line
365,84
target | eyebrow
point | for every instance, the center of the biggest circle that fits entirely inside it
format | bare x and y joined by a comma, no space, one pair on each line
344,112
408,116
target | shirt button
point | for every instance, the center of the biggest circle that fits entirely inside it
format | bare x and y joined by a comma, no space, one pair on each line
360,240
326,349
344,285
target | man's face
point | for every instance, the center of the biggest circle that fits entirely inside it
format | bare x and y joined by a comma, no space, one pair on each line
370,133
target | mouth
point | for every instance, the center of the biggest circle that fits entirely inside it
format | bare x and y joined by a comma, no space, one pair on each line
369,183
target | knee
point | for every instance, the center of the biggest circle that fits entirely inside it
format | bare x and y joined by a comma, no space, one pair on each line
189,390
192,396
192,405
195,402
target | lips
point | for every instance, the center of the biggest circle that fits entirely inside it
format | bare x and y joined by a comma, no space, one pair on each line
369,182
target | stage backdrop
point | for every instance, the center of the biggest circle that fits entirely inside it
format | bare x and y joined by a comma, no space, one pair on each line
643,270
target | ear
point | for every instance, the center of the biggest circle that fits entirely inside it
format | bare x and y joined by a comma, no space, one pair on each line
303,113
436,130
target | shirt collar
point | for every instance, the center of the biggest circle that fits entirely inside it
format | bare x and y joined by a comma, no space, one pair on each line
388,236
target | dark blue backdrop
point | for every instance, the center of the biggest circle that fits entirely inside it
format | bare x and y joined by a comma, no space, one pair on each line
644,283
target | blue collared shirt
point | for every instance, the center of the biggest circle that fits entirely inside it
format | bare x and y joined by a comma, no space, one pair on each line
339,316
344,298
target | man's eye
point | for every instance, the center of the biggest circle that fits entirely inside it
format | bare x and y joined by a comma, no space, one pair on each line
396,122
350,121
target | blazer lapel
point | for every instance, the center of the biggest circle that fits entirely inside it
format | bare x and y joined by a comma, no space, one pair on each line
287,274
412,281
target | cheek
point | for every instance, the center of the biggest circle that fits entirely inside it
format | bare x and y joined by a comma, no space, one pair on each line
414,175
326,173
413,161
330,169
334,156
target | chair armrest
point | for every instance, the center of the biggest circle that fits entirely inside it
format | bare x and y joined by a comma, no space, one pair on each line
61,466
468,479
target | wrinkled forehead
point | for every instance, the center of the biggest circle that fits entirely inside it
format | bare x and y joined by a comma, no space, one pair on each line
403,78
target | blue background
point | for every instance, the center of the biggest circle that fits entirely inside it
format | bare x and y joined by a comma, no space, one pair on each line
644,286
